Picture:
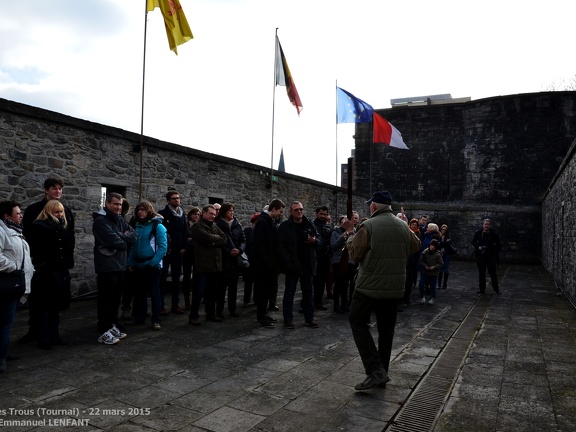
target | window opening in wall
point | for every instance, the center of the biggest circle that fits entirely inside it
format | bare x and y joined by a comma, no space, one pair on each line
214,200
108,188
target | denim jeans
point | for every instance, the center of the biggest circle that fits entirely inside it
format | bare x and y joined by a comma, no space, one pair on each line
7,313
146,282
447,258
228,281
307,288
425,280
174,261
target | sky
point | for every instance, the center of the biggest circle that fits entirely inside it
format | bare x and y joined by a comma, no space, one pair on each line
85,59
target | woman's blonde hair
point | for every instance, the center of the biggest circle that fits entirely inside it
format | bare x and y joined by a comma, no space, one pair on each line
432,227
47,212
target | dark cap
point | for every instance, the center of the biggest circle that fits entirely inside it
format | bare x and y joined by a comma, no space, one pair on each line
381,197
254,217
434,243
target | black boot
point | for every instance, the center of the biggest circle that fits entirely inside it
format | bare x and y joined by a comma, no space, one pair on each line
440,279
445,280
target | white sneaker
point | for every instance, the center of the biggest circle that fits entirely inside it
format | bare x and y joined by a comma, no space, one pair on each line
108,338
423,300
117,333
431,301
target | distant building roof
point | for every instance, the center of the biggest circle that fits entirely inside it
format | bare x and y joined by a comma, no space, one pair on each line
428,100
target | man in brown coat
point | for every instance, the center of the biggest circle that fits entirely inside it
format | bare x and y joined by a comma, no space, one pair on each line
207,241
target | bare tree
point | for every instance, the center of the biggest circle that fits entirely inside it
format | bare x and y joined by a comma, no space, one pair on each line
562,85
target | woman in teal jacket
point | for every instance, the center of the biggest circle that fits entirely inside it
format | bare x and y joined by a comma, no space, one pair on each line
145,261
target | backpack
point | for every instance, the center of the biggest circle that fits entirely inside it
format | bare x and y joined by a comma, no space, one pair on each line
155,223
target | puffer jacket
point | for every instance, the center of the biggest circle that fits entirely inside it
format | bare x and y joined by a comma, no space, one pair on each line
431,259
13,250
207,240
381,247
112,235
151,244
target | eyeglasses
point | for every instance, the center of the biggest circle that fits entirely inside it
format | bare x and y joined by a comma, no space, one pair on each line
298,209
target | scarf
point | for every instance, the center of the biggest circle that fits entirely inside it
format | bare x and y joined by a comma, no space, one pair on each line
14,225
178,213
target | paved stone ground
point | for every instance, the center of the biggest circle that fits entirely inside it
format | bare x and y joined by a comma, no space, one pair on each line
517,371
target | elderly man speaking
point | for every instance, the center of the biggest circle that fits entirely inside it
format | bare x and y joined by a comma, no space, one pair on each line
381,246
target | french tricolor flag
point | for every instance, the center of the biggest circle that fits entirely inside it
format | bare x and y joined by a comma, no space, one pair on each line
385,132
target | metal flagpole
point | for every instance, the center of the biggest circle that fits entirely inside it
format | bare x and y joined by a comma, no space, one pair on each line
273,105
140,187
336,184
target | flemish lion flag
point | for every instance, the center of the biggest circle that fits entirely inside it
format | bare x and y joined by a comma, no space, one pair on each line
177,28
284,77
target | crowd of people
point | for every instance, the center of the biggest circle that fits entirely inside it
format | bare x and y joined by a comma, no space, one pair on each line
363,265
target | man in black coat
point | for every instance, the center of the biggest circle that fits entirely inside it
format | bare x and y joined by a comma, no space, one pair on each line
298,241
263,259
52,191
176,225
112,237
323,256
487,246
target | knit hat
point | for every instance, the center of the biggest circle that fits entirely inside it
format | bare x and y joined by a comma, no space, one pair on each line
254,217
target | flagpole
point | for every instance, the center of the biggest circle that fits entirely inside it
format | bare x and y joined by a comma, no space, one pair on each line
336,132
273,106
140,186
370,170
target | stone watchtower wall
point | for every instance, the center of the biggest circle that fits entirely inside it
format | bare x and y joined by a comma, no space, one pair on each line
559,228
467,161
36,144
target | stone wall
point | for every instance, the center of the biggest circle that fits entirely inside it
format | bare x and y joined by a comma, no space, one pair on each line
36,144
467,161
558,227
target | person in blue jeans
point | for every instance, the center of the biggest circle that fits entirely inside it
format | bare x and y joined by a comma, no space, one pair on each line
298,241
448,249
14,255
145,263
430,264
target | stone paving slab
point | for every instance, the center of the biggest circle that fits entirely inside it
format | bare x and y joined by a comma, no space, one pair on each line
520,368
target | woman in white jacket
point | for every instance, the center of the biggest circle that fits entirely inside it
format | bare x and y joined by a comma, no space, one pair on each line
14,255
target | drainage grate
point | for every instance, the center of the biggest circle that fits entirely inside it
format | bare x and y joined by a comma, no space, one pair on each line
423,407
421,410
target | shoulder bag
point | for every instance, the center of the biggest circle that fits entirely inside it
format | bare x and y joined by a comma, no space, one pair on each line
13,284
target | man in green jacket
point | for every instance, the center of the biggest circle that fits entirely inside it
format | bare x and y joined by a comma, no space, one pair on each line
207,240
380,246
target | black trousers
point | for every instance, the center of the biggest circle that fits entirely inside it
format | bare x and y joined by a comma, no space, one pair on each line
487,263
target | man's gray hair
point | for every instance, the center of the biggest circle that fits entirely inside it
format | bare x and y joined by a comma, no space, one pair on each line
380,206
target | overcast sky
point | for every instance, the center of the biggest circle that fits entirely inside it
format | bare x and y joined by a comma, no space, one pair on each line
83,58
